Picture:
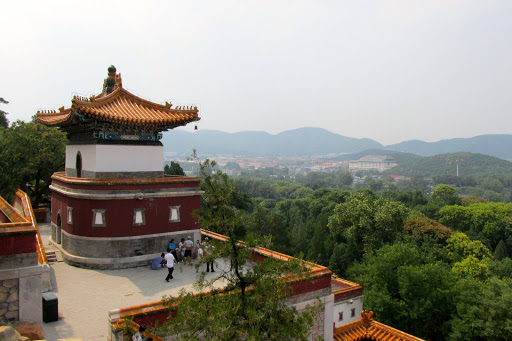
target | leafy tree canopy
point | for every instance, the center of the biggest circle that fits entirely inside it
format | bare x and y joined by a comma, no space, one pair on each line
445,193
4,122
483,310
252,305
29,154
408,290
422,227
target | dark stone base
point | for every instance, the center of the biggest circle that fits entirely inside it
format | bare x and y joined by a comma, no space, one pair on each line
18,260
117,253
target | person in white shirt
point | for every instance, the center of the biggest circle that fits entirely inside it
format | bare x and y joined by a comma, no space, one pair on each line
170,264
181,246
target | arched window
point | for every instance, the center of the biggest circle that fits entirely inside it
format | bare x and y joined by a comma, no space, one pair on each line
58,232
78,165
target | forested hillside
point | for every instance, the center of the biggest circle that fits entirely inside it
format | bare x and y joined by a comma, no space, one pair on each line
494,145
428,263
446,164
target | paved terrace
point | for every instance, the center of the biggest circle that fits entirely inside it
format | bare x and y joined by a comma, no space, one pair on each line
85,296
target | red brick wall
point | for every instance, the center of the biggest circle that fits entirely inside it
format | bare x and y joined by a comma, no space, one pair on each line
119,215
309,285
19,243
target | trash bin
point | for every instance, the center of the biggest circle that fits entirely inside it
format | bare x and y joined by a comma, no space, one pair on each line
50,307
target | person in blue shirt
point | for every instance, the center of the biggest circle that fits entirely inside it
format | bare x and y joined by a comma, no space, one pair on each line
159,261
172,246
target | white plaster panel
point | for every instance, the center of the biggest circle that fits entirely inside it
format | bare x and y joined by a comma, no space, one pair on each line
122,158
328,317
30,299
346,307
88,153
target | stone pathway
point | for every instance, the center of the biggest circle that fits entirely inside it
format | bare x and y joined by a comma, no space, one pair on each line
85,296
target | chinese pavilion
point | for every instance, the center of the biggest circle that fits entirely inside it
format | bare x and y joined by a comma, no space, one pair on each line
113,207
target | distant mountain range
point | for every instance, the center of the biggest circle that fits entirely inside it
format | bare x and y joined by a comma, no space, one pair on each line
446,164
318,141
298,142
494,145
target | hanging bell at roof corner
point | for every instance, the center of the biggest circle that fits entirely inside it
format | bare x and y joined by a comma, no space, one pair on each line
195,128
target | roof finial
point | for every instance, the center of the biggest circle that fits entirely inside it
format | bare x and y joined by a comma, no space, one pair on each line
110,81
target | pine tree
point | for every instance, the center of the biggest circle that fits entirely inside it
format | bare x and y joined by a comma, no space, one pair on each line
501,251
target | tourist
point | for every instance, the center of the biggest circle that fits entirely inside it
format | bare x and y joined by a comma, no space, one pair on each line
189,246
170,264
138,335
163,262
208,252
158,262
181,246
198,245
172,246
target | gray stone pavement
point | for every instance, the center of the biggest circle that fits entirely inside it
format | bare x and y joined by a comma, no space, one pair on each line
85,296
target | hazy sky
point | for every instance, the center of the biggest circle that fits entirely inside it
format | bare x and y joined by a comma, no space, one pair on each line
386,70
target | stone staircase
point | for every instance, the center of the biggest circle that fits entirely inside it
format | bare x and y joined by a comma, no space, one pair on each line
53,254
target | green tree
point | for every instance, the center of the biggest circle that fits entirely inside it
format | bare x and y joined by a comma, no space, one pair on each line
470,257
501,251
468,201
487,222
301,193
373,184
483,310
258,222
4,122
491,184
252,304
29,154
368,222
344,178
408,290
421,228
173,169
446,194
501,268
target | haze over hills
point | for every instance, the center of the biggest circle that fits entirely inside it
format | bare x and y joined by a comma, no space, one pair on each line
298,142
494,145
318,141
446,164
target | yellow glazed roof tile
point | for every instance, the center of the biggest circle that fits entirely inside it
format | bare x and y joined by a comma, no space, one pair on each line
120,106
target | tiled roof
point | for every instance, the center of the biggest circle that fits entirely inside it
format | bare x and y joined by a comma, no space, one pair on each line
21,222
121,106
54,118
366,328
11,214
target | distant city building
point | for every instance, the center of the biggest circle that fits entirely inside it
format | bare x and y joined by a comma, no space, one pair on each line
373,162
231,172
